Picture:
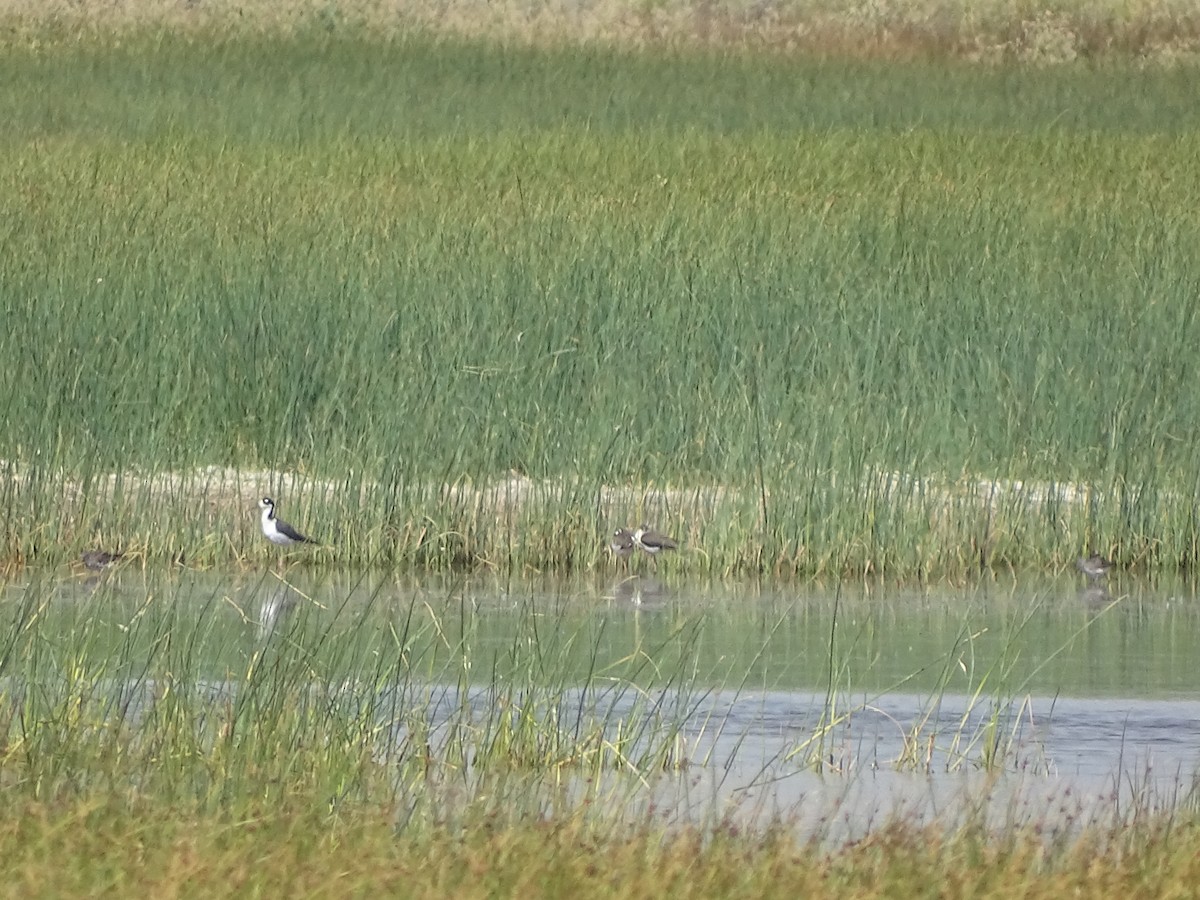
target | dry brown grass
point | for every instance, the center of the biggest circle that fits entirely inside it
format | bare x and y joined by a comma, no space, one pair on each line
1162,31
96,849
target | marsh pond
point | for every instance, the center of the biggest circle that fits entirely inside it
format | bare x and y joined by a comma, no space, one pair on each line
836,707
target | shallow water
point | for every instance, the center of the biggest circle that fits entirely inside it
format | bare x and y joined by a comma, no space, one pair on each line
1080,691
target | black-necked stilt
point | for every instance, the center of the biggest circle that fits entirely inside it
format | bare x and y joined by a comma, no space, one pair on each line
1094,566
653,542
278,531
622,544
100,559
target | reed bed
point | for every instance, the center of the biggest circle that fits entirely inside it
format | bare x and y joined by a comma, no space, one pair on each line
814,317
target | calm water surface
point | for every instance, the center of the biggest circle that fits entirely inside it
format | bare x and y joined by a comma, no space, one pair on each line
1082,691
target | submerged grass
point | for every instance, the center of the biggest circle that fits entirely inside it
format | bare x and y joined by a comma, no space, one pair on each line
200,695
814,317
349,701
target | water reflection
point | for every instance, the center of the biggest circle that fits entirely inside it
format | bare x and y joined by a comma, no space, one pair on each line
1095,597
1046,637
642,592
277,606
909,689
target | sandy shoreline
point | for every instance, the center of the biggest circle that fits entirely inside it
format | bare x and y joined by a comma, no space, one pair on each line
226,487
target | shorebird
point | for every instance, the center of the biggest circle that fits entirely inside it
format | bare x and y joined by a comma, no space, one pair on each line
276,530
1094,566
622,544
653,542
100,559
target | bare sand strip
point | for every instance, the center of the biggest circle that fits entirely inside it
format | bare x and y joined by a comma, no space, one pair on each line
228,489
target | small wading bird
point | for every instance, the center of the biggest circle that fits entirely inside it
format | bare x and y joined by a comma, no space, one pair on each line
1094,566
278,531
621,546
653,542
100,559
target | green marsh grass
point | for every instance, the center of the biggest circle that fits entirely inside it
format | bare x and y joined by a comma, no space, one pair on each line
460,305
814,317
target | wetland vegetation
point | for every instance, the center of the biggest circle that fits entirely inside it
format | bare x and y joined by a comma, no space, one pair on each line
920,307
472,304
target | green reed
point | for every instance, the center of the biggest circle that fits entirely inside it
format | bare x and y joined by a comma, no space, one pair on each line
405,271
342,694
351,704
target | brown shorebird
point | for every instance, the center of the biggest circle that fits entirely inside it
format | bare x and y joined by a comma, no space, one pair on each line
621,545
1094,566
653,542
96,560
